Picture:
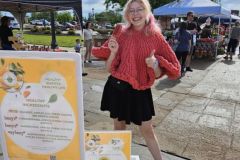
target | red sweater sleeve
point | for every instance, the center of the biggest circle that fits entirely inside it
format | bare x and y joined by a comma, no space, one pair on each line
103,52
167,59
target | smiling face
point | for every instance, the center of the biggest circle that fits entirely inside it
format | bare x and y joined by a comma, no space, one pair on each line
137,15
190,17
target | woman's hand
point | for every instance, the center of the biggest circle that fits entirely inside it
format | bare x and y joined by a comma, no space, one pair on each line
113,45
151,61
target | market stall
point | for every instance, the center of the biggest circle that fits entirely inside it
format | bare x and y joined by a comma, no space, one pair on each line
206,47
179,8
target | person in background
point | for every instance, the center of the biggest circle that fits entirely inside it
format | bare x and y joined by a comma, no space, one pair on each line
44,22
206,29
77,46
88,41
136,54
239,50
5,32
234,40
193,28
184,44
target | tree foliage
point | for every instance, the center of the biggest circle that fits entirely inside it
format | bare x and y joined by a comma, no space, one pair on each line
64,17
108,16
42,15
59,16
121,3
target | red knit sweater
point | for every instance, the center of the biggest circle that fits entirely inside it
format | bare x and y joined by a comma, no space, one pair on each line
134,47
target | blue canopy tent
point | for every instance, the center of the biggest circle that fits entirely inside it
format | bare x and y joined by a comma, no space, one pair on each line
181,7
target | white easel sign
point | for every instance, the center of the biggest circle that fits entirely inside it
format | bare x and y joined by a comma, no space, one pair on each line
41,106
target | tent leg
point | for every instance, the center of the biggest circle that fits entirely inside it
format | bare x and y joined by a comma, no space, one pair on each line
54,42
82,57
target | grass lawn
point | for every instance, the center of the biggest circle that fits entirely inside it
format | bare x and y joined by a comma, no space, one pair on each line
62,40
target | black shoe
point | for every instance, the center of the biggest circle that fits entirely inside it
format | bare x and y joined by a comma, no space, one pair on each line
231,58
84,74
189,69
226,57
85,61
90,61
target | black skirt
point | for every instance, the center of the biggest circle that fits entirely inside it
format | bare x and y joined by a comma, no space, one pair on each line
125,103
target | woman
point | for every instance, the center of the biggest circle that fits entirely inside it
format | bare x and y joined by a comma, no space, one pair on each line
183,49
5,33
135,55
234,40
88,40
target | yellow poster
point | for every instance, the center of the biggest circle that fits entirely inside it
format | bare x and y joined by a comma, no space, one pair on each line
41,106
108,145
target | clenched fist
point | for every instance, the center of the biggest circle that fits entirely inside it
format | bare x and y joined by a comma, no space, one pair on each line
113,45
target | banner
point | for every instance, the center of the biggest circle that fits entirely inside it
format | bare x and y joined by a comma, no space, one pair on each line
41,106
108,145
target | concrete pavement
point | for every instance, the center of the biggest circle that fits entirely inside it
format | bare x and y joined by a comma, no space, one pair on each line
197,116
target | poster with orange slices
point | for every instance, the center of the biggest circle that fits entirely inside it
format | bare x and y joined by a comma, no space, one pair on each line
41,106
108,145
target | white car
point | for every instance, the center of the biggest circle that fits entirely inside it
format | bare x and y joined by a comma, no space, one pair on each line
37,22
14,25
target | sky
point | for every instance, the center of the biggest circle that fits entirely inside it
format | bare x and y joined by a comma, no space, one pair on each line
88,5
98,5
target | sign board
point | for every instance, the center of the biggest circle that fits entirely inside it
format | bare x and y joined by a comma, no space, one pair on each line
41,106
108,145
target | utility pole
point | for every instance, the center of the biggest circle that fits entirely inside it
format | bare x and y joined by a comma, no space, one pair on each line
93,15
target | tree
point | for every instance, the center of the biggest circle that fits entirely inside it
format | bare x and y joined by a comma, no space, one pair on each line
121,3
64,17
42,15
109,16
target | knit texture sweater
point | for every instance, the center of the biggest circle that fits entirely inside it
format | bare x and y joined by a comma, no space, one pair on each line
134,47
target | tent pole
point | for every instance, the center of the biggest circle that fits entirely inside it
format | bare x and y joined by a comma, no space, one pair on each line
81,52
54,42
230,26
218,37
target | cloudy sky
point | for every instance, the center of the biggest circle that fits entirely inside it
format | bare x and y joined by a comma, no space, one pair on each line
98,5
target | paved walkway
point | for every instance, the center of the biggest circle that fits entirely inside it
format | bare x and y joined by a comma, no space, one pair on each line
198,116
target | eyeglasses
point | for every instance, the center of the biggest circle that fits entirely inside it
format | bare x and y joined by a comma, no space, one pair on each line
191,15
137,11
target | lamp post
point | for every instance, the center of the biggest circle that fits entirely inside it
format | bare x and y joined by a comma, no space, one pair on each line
93,15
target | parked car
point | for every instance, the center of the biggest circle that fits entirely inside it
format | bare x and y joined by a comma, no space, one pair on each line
36,22
46,22
58,25
14,25
74,23
108,26
67,25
